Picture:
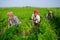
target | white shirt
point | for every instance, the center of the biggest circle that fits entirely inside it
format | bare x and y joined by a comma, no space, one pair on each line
36,19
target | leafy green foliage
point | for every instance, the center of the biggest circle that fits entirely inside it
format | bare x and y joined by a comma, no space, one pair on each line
25,31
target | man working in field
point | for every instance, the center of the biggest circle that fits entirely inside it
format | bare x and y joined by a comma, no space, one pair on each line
12,20
35,18
49,15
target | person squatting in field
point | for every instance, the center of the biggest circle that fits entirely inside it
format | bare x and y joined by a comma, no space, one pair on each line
49,15
12,20
36,18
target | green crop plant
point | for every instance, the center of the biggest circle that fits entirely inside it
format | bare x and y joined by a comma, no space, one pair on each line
48,29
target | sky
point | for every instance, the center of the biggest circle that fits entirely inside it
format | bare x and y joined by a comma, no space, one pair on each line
33,3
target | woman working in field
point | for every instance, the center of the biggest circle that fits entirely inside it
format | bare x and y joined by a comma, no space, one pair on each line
49,15
12,20
36,22
36,18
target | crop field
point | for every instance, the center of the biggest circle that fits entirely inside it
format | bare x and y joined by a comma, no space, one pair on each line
48,29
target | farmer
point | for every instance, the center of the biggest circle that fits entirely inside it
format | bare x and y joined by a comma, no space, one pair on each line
36,18
49,15
12,20
35,21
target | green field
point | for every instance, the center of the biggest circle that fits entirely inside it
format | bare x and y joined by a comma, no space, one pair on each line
49,29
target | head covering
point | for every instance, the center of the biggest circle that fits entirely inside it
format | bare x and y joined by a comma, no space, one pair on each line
50,12
9,14
36,11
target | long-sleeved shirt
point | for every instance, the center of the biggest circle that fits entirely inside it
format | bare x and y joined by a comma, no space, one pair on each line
13,21
49,16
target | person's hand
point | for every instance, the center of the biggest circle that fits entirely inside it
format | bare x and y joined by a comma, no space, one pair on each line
32,22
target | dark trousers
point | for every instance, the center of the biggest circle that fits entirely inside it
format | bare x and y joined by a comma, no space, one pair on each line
36,24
